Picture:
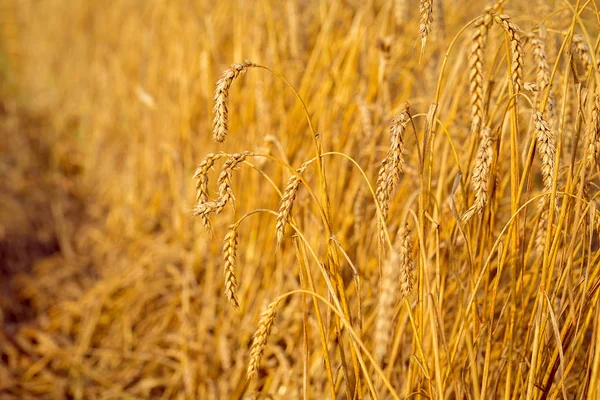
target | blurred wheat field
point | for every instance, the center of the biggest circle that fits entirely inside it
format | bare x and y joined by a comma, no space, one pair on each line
400,201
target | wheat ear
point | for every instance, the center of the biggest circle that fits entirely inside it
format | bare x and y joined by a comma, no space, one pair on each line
516,49
546,148
259,340
478,41
287,203
229,257
201,175
426,10
220,122
581,48
225,190
481,173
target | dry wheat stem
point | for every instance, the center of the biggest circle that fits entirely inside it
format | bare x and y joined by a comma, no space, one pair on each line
546,147
220,122
259,340
516,49
478,41
287,203
229,257
481,173
426,10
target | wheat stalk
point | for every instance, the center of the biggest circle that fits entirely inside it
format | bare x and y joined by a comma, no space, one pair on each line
220,122
481,173
516,49
478,41
259,340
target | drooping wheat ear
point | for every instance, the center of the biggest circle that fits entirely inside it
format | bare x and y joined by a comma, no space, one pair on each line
516,49
481,173
426,9
478,40
581,48
229,257
221,94
201,175
225,190
287,203
259,340
543,74
546,147
392,164
407,264
594,132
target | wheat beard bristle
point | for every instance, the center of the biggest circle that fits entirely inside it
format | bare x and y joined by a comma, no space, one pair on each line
220,122
481,173
259,340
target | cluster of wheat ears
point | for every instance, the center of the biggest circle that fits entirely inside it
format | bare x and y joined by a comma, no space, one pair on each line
546,265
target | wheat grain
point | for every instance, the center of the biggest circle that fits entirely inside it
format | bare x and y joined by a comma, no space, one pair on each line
385,307
516,49
481,173
259,340
220,122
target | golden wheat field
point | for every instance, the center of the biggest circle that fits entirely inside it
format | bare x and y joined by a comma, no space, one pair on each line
313,199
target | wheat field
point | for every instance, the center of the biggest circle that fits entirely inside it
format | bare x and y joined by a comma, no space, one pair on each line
262,199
